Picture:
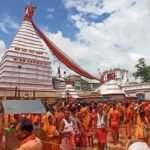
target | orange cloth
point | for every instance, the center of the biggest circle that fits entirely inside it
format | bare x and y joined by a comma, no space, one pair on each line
57,118
128,121
28,116
36,120
86,117
114,121
87,121
114,118
6,120
82,140
84,111
12,119
31,143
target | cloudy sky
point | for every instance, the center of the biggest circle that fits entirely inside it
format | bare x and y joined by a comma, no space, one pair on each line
95,33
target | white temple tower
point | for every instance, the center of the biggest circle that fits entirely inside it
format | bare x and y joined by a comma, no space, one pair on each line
70,91
26,64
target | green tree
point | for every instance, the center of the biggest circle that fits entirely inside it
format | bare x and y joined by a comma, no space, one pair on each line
142,71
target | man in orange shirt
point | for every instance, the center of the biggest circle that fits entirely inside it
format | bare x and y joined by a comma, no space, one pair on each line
28,140
128,120
114,122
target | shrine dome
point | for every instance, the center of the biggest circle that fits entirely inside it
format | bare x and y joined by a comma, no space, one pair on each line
110,88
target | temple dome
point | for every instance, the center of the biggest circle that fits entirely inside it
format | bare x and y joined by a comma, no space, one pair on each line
110,88
71,91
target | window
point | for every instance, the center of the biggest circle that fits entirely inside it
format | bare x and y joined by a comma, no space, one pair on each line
15,59
17,48
30,51
39,53
24,50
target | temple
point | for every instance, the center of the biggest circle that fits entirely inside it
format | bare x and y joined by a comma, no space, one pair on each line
25,71
25,68
25,64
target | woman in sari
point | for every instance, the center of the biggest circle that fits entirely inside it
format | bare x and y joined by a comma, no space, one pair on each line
147,124
139,132
50,134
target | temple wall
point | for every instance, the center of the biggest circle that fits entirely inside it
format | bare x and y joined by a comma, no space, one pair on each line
141,88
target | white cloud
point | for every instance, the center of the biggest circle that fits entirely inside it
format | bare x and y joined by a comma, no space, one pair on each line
2,47
7,23
136,56
118,41
49,16
50,11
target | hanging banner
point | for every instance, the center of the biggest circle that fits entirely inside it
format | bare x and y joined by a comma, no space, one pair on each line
62,56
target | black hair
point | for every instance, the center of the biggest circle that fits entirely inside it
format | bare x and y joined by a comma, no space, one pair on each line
73,109
26,125
139,102
114,104
141,113
78,107
126,105
66,109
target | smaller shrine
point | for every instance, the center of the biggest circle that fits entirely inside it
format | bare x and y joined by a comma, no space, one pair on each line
111,86
70,92
111,91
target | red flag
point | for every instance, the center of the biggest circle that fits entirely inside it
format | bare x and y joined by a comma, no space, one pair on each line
111,76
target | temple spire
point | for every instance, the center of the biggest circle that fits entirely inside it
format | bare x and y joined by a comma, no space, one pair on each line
29,12
26,64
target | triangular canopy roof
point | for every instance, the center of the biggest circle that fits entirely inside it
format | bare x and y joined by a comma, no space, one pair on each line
23,107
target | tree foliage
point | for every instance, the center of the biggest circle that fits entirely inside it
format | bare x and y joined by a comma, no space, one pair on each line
142,71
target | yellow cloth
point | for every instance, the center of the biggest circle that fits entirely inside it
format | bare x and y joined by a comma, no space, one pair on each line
139,128
48,133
